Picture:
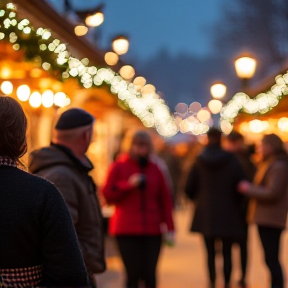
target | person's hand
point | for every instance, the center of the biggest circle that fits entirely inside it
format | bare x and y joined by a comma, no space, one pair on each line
169,238
135,180
244,186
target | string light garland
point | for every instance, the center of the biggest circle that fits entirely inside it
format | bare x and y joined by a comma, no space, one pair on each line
261,104
53,56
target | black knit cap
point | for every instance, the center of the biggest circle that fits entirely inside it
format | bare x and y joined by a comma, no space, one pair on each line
74,118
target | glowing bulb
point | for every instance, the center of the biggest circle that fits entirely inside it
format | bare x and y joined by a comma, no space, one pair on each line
95,20
226,127
245,67
120,45
23,92
148,89
258,126
111,58
35,100
7,87
60,99
181,108
195,107
215,106
218,90
203,115
139,82
283,124
127,72
48,98
81,30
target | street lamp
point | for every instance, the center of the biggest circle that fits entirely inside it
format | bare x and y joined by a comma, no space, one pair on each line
218,90
245,67
120,45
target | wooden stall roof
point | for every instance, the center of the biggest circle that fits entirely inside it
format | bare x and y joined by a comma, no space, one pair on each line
41,13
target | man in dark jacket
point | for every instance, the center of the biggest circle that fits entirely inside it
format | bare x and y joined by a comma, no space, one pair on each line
212,186
65,164
234,143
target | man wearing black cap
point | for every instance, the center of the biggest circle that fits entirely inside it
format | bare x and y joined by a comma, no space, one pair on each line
65,164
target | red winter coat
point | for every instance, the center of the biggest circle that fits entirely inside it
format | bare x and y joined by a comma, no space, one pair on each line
137,212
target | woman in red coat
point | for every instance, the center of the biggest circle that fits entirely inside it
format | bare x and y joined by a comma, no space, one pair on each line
137,188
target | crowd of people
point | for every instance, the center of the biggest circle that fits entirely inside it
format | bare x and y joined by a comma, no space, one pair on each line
52,231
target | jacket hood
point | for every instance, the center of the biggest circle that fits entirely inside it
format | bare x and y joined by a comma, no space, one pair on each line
214,156
53,155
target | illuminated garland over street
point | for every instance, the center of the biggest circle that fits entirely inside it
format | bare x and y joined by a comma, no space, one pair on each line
262,103
40,47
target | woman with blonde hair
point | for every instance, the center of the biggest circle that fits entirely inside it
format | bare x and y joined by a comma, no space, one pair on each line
269,204
136,186
38,244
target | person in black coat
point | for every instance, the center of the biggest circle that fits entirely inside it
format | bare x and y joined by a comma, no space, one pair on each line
212,186
38,243
234,143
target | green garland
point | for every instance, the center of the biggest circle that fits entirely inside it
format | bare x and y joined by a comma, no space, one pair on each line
23,36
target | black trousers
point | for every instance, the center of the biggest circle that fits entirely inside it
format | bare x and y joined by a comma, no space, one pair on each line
242,242
140,256
270,238
227,255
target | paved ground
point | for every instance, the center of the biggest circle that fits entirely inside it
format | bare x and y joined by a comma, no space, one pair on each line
184,266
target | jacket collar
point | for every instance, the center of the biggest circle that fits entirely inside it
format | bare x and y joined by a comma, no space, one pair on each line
76,160
7,161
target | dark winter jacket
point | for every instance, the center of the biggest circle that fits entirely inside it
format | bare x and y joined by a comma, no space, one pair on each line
58,164
36,233
138,211
212,185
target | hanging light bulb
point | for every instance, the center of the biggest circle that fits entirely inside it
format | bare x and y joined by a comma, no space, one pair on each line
48,98
95,20
35,100
7,87
23,92
120,45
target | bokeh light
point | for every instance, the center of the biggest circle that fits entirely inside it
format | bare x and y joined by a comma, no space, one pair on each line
48,98
7,87
215,106
95,20
245,67
111,58
283,124
81,30
23,92
218,90
258,126
120,45
127,72
195,107
35,100
181,108
203,115
60,99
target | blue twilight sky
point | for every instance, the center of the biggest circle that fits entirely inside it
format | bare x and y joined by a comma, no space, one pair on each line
179,26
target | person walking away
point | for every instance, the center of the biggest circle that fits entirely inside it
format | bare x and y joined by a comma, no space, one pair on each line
212,186
65,164
38,243
136,186
234,143
269,203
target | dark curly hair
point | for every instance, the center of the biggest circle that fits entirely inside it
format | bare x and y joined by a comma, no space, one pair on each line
13,127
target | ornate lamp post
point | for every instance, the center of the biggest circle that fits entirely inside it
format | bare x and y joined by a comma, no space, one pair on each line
245,67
